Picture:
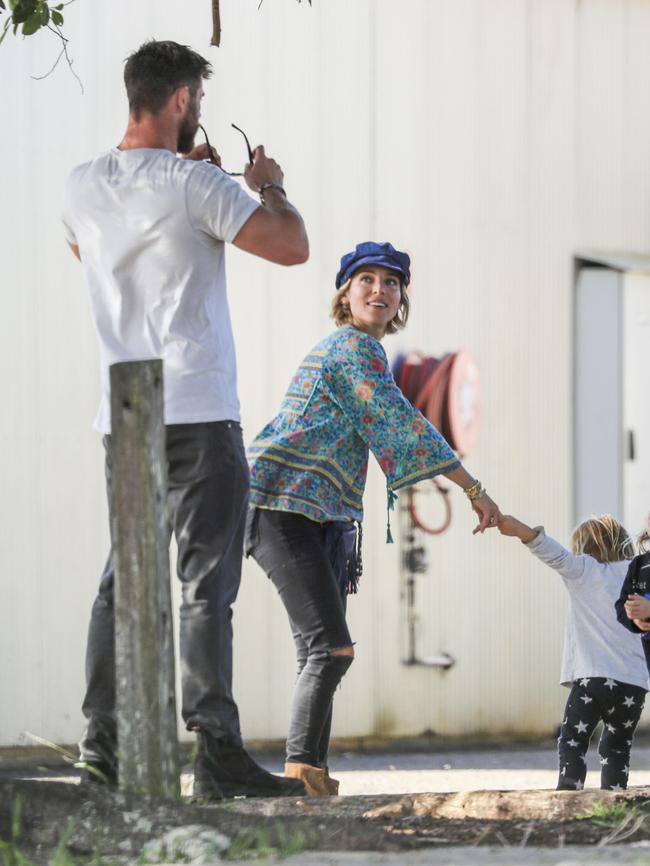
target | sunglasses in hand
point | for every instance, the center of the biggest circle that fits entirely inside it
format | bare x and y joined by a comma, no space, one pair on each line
211,155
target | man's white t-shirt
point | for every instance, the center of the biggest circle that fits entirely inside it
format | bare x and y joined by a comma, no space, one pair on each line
151,229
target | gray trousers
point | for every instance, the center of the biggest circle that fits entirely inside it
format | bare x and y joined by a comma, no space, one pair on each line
207,497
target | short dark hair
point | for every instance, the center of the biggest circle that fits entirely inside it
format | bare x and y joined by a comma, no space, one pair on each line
156,70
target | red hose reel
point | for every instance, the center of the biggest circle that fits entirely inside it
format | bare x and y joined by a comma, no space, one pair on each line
446,390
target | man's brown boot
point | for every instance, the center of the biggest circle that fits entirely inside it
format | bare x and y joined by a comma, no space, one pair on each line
315,779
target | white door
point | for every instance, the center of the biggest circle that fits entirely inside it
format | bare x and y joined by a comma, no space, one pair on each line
636,400
598,441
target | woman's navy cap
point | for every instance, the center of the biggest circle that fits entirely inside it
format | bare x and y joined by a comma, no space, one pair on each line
371,253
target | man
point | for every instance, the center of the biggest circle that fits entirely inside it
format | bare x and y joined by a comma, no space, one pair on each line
149,229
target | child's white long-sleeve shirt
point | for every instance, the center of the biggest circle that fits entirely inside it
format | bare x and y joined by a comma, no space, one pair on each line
595,643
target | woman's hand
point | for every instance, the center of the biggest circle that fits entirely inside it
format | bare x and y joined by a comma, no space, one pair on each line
488,512
641,624
637,607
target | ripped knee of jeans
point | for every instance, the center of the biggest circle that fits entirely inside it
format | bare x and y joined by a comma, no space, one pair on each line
343,651
338,663
328,666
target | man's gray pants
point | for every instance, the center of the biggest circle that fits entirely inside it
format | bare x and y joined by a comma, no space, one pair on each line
208,483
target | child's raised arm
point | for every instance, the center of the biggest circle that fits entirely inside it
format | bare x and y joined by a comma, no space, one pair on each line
570,565
509,525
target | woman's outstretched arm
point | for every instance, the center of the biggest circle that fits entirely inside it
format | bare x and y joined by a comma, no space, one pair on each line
408,448
487,510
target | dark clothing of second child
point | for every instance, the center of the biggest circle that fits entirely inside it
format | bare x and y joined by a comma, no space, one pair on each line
637,582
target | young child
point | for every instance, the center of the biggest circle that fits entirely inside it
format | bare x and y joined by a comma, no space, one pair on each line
633,605
602,664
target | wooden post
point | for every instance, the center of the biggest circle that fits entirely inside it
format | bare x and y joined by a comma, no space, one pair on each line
144,644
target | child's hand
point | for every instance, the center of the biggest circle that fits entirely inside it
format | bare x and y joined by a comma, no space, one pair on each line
637,607
641,624
509,525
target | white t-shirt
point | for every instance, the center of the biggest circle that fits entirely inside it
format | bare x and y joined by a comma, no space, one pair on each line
151,229
595,643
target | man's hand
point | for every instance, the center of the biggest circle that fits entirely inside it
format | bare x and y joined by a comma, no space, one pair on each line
276,231
262,170
488,512
641,624
201,151
509,525
637,607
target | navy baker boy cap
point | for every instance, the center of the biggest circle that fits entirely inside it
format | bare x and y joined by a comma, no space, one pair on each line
371,253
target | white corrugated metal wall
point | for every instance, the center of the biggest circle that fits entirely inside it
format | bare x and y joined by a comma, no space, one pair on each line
490,139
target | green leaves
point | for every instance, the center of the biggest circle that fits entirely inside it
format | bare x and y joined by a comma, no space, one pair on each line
31,14
32,24
21,12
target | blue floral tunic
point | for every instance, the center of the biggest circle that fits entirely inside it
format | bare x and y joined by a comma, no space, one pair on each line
313,456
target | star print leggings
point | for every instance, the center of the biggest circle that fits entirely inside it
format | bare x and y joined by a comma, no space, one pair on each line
591,700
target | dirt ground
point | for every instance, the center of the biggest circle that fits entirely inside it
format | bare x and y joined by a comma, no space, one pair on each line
434,814
119,826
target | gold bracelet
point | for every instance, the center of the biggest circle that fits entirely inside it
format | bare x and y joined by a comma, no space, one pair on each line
475,491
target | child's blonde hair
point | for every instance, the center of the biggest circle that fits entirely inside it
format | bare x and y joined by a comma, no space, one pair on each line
643,542
603,538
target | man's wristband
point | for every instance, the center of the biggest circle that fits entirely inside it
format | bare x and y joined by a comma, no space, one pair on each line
266,186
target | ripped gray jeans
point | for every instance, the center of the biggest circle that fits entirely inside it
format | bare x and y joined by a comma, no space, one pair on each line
309,564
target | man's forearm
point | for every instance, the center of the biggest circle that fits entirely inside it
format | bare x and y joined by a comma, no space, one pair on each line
275,231
278,203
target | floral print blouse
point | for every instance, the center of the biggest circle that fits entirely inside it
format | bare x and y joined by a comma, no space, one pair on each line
312,458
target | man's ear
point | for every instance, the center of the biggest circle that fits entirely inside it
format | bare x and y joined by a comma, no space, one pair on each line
181,98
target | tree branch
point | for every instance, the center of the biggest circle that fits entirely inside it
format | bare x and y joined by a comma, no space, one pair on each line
216,24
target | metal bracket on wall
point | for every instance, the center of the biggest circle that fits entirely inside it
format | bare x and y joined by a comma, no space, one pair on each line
444,660
414,562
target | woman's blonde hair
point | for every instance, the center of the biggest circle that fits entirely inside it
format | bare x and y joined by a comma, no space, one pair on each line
341,314
603,538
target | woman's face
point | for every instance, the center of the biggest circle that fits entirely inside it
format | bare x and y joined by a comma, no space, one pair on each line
373,298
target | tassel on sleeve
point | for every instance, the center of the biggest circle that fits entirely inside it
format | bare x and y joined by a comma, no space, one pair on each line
392,498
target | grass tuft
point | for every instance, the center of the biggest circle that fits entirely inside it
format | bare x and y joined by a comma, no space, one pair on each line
254,843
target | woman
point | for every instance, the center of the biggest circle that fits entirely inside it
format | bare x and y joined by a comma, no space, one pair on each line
308,472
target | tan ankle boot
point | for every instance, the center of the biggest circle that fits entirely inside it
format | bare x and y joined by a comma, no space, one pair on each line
316,781
331,784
